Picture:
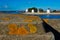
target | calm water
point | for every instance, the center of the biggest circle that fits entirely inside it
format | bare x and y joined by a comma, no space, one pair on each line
41,16
12,12
50,16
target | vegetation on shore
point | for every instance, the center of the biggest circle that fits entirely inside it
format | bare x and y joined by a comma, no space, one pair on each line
42,10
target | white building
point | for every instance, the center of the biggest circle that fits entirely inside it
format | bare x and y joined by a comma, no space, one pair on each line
48,11
32,11
26,10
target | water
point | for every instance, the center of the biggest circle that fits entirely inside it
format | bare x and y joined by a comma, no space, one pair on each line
50,16
44,16
12,12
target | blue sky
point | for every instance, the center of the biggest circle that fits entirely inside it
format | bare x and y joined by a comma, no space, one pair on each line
23,4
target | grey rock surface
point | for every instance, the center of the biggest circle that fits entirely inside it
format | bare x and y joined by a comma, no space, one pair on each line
18,19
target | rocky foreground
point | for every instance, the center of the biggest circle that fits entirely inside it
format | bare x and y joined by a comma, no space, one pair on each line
25,27
54,23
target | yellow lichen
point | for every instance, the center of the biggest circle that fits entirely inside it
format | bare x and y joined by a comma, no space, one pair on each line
33,28
46,20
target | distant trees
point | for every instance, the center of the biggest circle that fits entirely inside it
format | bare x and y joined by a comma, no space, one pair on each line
41,10
54,10
33,8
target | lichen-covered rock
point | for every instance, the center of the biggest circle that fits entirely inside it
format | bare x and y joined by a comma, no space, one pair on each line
22,27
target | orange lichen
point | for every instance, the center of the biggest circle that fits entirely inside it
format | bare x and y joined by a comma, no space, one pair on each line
12,28
17,31
26,20
22,31
6,19
32,18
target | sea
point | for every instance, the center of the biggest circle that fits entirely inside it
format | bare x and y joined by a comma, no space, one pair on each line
45,16
49,16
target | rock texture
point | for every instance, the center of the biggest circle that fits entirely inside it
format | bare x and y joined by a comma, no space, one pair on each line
55,23
31,23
